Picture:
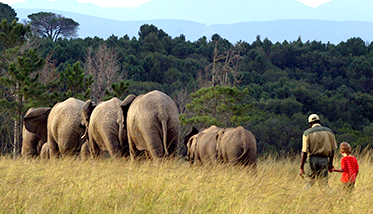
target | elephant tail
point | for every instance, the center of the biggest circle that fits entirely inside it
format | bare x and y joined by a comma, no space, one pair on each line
242,157
164,129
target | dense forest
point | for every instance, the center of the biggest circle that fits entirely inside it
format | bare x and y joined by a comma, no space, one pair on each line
269,88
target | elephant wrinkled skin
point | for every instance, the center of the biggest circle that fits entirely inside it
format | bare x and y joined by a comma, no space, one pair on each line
65,127
236,146
152,124
106,131
224,145
202,146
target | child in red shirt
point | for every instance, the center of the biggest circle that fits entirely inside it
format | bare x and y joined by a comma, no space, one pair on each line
349,167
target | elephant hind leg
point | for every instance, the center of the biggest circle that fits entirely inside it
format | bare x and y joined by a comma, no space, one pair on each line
156,150
93,148
84,150
53,148
113,146
173,140
197,159
45,151
132,147
154,144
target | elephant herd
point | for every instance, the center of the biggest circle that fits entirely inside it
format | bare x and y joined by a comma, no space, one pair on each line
146,125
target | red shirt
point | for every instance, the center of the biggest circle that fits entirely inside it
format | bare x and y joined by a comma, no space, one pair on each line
350,167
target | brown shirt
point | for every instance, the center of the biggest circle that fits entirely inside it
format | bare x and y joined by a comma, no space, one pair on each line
318,140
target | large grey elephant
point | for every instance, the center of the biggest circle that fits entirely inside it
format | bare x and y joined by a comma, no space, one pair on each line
65,127
106,129
152,122
224,145
236,146
32,142
202,146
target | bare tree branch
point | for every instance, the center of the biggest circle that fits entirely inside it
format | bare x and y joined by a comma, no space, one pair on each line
223,66
104,68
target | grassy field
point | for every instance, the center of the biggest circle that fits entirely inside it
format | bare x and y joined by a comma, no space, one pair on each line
71,185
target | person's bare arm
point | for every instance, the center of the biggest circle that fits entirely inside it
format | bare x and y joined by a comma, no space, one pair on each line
338,170
302,161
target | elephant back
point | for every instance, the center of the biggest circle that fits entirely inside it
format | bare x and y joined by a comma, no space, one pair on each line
207,138
66,113
236,145
105,123
106,112
206,145
153,123
65,124
151,107
155,102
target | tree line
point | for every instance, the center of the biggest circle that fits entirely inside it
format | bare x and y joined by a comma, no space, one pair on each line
269,88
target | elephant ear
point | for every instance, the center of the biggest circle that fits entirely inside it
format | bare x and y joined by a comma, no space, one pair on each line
123,139
87,110
219,135
35,120
192,132
191,147
126,104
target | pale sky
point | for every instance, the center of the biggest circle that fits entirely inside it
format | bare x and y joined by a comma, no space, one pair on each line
313,3
105,3
136,3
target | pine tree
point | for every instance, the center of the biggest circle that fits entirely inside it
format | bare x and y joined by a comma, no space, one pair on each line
73,83
12,34
24,90
7,12
222,106
119,90
17,77
53,25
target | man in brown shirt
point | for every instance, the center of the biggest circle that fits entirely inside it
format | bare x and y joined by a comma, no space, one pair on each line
318,146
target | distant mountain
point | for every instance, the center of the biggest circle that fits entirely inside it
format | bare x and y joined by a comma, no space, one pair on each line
216,11
275,31
91,26
290,30
335,21
345,10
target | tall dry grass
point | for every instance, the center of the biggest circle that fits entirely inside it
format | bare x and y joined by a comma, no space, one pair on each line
71,185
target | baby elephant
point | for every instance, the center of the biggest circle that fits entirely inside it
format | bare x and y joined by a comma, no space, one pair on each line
236,146
202,146
224,145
